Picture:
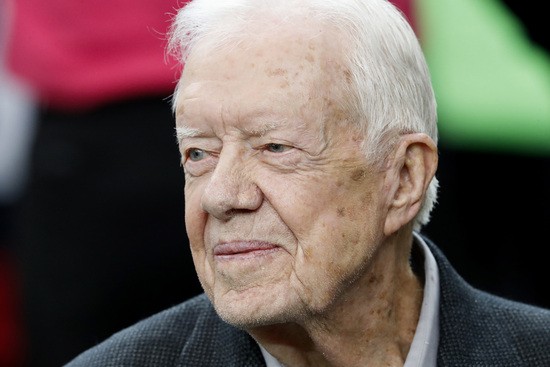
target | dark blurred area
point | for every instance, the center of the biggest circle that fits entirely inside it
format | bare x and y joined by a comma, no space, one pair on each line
533,20
92,235
494,199
100,234
96,239
490,221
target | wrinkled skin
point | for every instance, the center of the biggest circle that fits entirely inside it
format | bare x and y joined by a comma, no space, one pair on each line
287,219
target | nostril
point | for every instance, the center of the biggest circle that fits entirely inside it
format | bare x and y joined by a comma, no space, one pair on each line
231,188
230,212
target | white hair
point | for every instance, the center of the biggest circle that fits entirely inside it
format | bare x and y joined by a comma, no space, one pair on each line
391,92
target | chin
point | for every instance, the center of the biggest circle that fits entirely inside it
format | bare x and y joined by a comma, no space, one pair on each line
246,311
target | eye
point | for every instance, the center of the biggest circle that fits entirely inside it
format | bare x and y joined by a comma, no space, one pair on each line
277,148
195,154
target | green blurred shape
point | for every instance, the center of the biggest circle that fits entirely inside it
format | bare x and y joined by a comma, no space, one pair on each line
491,82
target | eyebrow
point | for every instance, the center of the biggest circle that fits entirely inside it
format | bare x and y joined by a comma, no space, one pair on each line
184,132
266,125
261,130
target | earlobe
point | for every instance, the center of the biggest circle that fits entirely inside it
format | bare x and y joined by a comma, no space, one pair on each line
414,166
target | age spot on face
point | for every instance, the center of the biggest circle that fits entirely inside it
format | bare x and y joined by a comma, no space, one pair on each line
366,199
358,174
276,72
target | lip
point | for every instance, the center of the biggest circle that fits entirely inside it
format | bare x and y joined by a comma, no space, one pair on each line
243,249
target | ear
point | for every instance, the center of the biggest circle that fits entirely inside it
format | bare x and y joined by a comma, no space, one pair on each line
412,169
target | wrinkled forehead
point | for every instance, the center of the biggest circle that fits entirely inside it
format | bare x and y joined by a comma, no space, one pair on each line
306,58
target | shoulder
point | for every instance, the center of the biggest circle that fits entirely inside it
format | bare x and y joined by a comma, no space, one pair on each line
186,334
479,328
153,341
492,331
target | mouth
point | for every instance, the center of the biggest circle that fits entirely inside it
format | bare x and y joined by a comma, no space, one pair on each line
240,250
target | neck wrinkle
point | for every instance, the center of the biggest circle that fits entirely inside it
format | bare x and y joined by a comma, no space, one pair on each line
371,324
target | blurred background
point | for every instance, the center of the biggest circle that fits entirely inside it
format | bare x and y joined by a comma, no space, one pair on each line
490,63
92,237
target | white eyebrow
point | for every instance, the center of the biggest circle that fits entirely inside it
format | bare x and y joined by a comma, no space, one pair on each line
183,132
261,130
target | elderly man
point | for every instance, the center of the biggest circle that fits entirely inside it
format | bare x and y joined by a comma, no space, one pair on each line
308,138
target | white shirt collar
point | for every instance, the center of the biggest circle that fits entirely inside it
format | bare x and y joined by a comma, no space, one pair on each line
423,351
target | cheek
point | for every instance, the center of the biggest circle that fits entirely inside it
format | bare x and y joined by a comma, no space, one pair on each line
338,242
195,223
341,235
195,217
329,260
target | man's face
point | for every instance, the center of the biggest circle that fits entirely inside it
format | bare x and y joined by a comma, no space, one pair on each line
282,208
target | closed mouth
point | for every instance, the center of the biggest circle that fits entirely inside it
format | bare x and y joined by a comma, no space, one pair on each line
244,249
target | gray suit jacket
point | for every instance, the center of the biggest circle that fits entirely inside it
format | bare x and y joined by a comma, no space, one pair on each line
476,329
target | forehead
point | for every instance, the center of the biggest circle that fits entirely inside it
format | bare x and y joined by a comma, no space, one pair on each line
267,68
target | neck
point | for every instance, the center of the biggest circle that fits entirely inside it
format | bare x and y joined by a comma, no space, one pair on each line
372,323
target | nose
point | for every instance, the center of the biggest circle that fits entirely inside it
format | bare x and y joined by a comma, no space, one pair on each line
231,188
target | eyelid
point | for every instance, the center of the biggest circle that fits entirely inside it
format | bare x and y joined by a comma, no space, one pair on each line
188,152
286,147
207,144
199,167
